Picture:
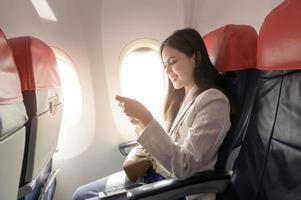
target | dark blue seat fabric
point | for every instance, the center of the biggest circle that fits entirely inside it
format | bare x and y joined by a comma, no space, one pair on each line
268,164
242,86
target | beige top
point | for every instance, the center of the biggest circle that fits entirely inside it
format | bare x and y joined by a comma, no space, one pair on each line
202,125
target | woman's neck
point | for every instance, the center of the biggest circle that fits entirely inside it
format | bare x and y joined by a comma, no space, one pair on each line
188,89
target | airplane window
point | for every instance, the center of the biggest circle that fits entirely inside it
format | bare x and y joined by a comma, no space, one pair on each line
142,78
71,89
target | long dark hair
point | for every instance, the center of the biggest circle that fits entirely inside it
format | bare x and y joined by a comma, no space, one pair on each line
190,42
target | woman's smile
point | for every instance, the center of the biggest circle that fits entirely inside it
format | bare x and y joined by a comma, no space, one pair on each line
179,67
173,78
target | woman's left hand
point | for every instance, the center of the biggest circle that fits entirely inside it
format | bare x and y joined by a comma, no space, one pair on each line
135,110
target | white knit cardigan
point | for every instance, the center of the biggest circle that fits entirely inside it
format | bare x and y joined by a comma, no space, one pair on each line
196,135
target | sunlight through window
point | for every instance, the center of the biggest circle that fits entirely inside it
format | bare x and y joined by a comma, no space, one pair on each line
71,90
142,78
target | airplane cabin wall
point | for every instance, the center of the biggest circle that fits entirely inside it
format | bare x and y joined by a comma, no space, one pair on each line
209,15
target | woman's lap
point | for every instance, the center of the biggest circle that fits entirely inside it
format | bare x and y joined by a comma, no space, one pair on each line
91,190
118,180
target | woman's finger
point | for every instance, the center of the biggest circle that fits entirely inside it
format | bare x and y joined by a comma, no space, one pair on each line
121,98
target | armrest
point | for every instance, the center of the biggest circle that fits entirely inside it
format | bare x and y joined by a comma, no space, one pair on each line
213,181
126,146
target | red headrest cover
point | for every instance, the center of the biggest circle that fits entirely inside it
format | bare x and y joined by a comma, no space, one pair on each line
10,89
232,47
279,42
36,63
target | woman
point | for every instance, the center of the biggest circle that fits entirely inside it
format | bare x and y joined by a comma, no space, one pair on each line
196,110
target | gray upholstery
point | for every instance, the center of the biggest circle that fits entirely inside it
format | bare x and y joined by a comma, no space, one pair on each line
11,155
12,140
12,124
44,128
43,131
12,117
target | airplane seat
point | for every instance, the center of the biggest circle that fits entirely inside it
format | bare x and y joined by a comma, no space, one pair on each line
226,50
268,165
225,47
42,95
12,123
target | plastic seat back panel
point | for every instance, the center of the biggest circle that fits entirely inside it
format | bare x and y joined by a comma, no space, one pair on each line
45,141
11,154
12,119
42,94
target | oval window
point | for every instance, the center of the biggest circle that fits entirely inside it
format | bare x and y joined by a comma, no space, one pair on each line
142,75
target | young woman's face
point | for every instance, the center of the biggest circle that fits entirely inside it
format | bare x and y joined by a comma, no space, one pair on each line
178,67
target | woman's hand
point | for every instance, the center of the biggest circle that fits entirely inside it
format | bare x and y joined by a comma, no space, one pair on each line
135,110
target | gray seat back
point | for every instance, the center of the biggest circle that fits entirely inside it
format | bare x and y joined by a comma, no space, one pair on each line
12,119
41,90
